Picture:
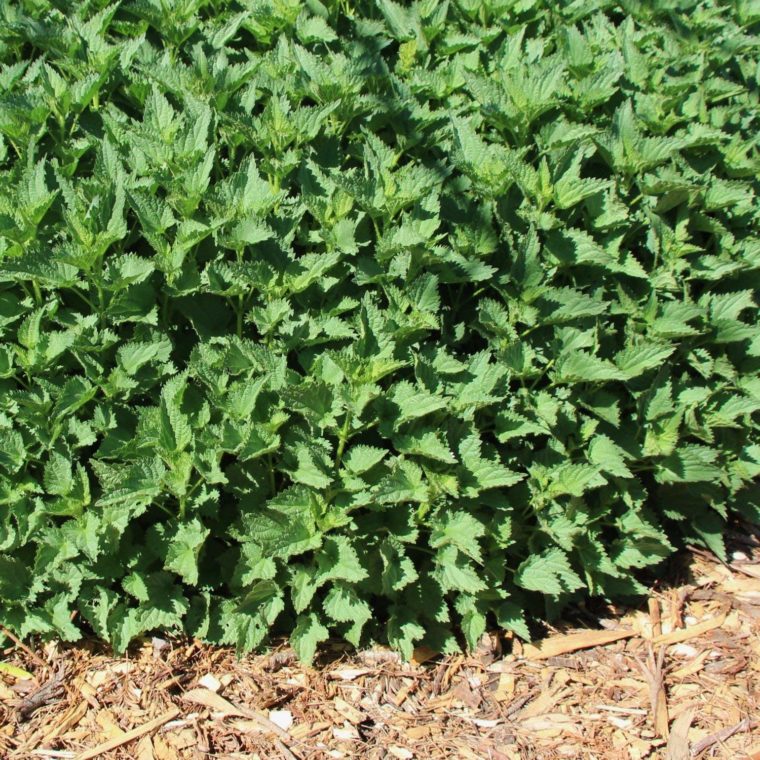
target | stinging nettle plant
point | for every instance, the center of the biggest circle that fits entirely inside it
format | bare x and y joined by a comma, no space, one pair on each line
381,321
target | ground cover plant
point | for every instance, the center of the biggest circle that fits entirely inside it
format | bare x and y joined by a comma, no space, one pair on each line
391,322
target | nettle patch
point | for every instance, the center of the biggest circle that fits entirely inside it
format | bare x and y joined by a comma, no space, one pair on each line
360,319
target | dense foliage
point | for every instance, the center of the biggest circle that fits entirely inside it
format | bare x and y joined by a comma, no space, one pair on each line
380,320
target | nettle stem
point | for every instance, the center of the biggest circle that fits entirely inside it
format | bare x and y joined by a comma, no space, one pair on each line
272,484
239,310
343,438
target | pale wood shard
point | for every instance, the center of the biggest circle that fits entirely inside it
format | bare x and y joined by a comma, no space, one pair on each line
678,743
67,721
654,616
131,735
691,668
684,634
213,701
572,642
720,736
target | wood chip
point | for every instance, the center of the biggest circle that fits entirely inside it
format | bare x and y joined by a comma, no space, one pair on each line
678,742
572,642
691,668
144,749
542,704
210,682
67,721
654,616
281,718
345,710
349,674
129,736
415,733
505,689
722,735
400,696
684,634
213,701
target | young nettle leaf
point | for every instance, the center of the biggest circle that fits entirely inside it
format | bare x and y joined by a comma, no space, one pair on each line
184,549
482,473
312,467
58,477
609,457
403,630
343,605
549,572
405,483
286,527
473,620
454,572
307,635
460,530
424,443
175,432
398,569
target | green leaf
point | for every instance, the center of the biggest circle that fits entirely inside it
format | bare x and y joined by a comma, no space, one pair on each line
608,456
510,616
454,572
343,605
404,631
461,530
338,560
636,360
414,402
185,548
482,473
549,572
58,477
425,443
579,366
405,483
175,432
360,459
307,635
689,464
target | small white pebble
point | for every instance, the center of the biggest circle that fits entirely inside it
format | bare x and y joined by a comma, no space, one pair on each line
281,718
683,650
741,556
484,723
345,734
210,682
690,620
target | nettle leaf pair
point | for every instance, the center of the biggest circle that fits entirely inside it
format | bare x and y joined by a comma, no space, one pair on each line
394,324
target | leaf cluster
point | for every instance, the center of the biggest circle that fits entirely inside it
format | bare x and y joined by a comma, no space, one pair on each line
387,321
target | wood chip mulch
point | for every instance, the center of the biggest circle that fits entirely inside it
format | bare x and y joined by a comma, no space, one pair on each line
677,678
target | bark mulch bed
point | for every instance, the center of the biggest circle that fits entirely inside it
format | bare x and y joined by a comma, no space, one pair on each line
677,678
